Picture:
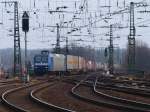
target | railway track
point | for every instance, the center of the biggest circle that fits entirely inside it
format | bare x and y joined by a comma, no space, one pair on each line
22,102
4,88
28,97
139,83
107,100
124,103
7,82
39,101
88,95
130,90
124,95
136,94
65,101
26,101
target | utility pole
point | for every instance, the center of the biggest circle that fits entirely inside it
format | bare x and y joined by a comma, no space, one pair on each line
131,40
58,39
66,54
111,52
17,50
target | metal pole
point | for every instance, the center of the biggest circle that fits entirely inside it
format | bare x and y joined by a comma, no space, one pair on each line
26,57
66,54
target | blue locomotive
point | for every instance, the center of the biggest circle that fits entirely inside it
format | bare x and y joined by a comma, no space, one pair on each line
41,63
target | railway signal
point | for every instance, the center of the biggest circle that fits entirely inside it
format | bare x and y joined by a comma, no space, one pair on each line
25,28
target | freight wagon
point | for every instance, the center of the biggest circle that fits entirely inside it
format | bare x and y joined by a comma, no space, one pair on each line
55,63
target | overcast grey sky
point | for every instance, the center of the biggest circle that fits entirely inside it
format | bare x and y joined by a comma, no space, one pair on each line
41,35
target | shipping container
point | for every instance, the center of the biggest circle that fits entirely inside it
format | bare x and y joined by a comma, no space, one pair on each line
93,66
98,65
58,61
72,62
80,63
89,65
85,65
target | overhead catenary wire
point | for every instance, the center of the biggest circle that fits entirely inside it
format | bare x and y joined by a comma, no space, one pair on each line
75,23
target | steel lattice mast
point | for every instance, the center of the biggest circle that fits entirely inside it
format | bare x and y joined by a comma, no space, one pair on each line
17,50
131,40
111,52
58,39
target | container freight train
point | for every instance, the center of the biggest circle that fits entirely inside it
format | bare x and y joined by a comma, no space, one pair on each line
56,63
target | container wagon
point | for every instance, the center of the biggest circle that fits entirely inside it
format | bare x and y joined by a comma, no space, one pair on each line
55,63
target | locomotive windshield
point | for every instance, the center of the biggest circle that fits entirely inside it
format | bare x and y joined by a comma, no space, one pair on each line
38,59
44,59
